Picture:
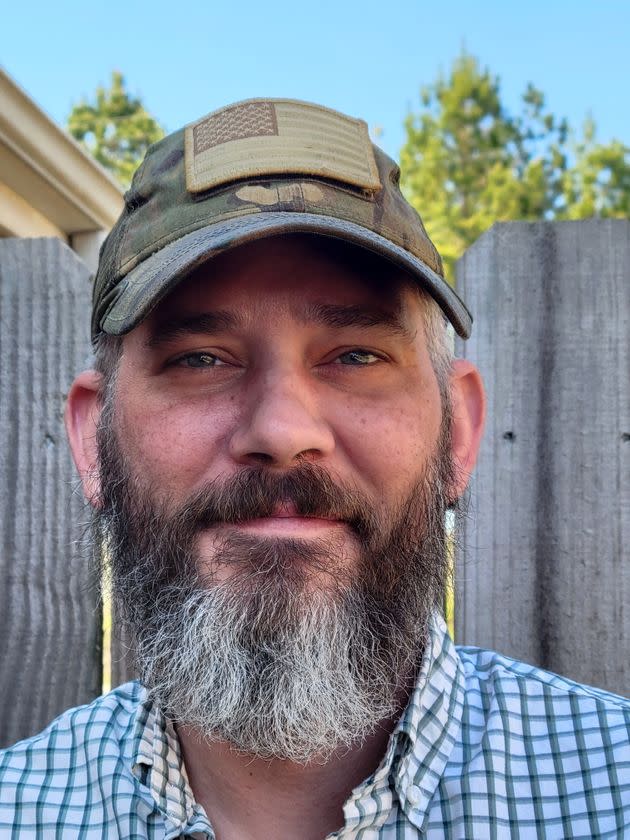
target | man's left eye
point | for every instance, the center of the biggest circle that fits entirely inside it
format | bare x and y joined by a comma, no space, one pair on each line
357,357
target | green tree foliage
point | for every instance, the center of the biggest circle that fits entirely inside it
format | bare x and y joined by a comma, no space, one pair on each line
467,162
599,182
115,128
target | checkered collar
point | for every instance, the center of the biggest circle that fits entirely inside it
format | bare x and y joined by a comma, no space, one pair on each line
159,767
420,745
431,724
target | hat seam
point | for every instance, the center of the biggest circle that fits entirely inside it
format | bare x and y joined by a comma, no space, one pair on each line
156,246
455,304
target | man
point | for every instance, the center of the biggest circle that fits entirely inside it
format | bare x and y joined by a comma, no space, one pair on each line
270,439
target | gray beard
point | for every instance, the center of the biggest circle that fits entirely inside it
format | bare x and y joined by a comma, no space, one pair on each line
265,660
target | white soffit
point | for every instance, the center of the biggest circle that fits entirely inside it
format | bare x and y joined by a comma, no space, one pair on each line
49,170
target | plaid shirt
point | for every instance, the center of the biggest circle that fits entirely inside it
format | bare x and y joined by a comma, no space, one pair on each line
487,748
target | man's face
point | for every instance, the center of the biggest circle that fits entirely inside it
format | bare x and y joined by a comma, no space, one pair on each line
275,466
274,355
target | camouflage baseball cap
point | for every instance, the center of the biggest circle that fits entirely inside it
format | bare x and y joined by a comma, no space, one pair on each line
256,169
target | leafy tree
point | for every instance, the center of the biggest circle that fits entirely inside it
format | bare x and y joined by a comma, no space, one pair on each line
115,128
599,182
467,162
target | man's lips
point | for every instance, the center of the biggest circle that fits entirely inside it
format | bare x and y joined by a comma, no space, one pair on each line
285,519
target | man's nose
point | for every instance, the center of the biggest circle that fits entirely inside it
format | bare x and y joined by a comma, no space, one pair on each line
281,423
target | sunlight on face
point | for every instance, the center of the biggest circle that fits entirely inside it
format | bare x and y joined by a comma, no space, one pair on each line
277,353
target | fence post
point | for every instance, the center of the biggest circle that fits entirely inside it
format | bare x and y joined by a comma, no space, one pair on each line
49,617
542,571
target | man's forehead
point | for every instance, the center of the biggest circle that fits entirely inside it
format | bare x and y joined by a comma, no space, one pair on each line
300,277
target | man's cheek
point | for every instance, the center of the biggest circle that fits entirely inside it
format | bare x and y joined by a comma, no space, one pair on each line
164,443
405,446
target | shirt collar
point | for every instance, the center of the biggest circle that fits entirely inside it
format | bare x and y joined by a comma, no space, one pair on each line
429,728
420,745
158,765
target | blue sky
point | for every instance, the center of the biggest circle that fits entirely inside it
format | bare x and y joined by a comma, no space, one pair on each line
367,58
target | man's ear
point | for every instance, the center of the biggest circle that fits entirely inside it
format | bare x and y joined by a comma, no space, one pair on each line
83,410
469,414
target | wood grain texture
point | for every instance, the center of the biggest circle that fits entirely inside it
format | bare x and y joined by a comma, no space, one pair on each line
49,614
542,572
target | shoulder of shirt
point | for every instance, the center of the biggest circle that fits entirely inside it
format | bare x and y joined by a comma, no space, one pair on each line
483,667
111,715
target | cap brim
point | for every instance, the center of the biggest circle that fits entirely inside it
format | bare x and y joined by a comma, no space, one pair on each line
144,286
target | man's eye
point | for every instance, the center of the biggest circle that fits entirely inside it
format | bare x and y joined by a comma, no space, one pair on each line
198,360
358,357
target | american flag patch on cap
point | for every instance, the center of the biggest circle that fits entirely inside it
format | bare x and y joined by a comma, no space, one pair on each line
262,137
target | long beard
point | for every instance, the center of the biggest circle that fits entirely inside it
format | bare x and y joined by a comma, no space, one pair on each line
267,660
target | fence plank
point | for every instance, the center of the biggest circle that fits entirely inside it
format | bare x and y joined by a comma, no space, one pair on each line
540,573
49,616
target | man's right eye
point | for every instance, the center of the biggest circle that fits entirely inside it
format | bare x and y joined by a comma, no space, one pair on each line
198,360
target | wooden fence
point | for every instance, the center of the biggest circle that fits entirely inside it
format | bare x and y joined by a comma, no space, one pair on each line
543,571
50,638
542,568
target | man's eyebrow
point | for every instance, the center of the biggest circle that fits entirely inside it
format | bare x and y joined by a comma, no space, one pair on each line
201,323
339,316
336,316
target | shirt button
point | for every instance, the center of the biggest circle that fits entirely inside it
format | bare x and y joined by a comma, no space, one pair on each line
414,795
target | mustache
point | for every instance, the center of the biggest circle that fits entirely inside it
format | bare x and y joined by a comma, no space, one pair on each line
257,492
